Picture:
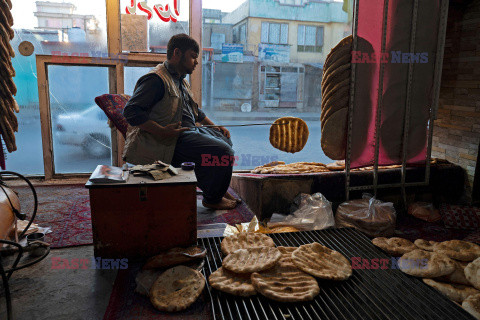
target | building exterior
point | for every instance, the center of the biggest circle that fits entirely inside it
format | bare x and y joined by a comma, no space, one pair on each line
283,44
60,16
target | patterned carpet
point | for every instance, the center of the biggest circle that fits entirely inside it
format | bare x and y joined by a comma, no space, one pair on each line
66,210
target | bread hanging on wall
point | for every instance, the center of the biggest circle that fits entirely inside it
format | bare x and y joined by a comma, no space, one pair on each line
8,105
335,99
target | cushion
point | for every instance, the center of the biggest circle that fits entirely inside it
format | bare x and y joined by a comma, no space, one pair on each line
112,105
460,217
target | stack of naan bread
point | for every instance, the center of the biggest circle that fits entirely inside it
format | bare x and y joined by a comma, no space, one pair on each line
176,288
8,119
335,99
452,267
287,274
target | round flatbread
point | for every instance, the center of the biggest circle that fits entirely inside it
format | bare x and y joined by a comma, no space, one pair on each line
458,276
336,166
458,250
286,259
322,262
425,244
472,305
290,136
334,134
426,264
342,48
472,273
233,283
455,292
245,240
285,284
394,246
176,289
251,259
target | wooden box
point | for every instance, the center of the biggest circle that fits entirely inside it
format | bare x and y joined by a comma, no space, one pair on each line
142,217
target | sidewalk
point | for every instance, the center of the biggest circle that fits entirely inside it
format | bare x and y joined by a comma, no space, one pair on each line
267,116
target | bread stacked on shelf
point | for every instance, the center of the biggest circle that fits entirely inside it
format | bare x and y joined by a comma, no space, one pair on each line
8,119
335,99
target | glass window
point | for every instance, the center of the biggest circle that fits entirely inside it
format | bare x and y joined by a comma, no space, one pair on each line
264,32
310,38
81,135
72,28
284,34
146,26
263,79
132,74
274,33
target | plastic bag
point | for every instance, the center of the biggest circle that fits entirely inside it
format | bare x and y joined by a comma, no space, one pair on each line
369,215
309,212
425,211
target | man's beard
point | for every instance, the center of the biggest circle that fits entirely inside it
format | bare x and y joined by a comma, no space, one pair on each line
183,61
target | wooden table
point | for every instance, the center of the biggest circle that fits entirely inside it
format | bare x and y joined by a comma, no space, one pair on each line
142,217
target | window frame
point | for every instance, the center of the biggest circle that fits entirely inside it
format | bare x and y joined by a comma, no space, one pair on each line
279,34
308,48
115,78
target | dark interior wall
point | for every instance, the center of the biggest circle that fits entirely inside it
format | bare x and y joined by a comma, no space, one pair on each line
457,128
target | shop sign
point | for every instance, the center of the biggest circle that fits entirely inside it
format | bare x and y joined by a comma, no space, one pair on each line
232,53
167,10
274,52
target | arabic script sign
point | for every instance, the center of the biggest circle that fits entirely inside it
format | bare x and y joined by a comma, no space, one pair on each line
167,11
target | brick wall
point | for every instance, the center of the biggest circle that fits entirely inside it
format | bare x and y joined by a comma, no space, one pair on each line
456,133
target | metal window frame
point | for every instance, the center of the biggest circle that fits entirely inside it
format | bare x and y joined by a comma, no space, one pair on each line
115,78
442,25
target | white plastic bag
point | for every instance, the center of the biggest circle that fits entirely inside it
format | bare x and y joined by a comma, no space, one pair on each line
309,212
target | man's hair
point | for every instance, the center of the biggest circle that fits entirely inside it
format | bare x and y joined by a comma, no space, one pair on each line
183,42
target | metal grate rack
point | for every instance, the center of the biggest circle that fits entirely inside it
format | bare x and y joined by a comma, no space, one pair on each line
368,294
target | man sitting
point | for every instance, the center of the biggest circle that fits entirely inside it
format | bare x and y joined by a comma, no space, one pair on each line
163,117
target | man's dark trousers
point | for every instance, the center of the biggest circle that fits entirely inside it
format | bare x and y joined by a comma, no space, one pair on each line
213,176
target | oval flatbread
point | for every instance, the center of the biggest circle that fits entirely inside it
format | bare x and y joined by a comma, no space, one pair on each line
176,289
290,136
233,283
175,256
394,246
286,259
426,264
245,240
458,249
425,244
251,259
322,262
472,305
454,292
472,273
458,276
285,284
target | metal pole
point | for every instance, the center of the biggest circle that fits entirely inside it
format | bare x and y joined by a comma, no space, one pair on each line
351,105
380,99
408,102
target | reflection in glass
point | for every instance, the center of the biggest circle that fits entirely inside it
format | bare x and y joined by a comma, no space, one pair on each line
81,135
265,61
146,26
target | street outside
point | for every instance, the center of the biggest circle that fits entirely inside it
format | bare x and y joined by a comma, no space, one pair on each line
251,145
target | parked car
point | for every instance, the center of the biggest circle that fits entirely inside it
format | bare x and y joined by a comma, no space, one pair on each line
88,129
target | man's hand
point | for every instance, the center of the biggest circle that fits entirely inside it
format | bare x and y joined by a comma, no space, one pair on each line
224,131
173,130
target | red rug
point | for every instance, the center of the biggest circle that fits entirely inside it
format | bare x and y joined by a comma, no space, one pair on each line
63,208
66,210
